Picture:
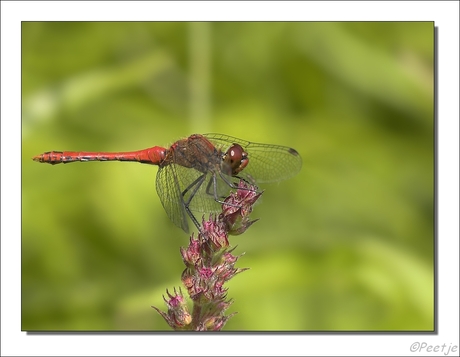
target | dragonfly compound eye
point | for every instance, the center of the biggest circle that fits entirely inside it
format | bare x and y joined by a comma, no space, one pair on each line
236,159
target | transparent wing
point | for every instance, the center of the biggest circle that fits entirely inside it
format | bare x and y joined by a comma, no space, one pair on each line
179,187
201,190
170,196
267,163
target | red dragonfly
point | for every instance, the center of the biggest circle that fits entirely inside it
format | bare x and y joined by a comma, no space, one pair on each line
195,173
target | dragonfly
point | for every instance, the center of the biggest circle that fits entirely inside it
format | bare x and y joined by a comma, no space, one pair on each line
197,172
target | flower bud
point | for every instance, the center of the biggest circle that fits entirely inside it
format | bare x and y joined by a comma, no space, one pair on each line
177,316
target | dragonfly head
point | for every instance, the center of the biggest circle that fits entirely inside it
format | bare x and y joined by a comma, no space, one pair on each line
234,160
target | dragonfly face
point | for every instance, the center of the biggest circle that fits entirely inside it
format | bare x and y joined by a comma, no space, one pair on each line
234,160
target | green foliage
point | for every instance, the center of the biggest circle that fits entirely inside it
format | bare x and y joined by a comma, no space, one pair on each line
345,245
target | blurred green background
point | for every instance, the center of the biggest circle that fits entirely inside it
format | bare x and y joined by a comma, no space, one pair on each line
345,245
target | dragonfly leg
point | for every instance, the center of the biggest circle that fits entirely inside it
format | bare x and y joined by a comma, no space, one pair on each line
193,188
232,185
214,191
226,180
213,182
192,217
196,186
235,185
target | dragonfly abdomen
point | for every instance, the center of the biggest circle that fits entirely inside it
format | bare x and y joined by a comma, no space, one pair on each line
153,156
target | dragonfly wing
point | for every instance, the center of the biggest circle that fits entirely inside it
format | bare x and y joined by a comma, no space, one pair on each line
267,163
179,187
169,192
199,190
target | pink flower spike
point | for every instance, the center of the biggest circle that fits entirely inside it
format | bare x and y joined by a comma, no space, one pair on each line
209,264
